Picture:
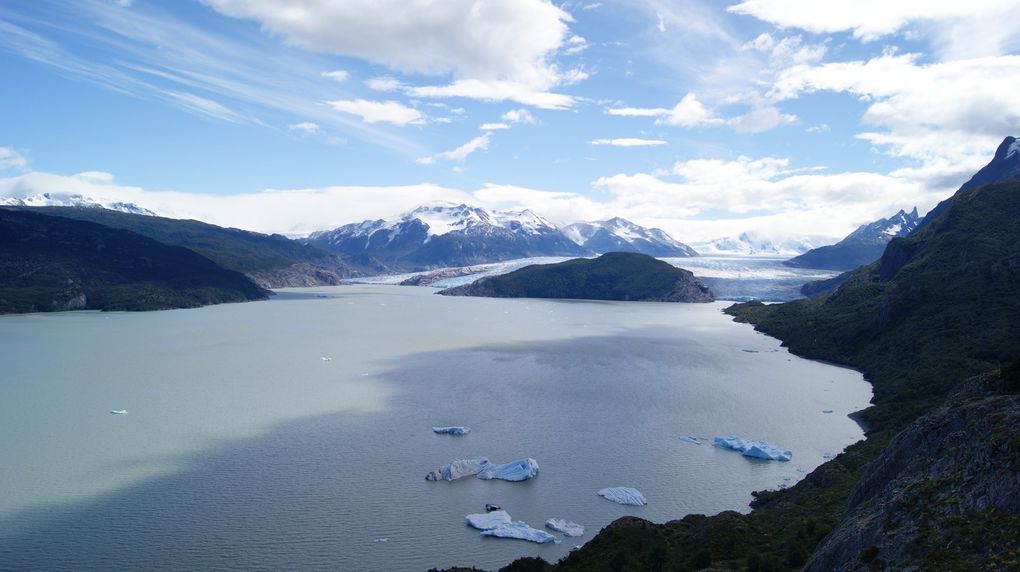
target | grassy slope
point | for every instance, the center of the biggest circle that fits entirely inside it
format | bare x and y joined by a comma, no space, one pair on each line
46,263
940,306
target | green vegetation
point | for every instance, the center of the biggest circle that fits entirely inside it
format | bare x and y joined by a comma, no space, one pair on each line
612,276
54,263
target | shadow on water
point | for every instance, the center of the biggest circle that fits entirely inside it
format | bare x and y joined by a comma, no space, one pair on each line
309,493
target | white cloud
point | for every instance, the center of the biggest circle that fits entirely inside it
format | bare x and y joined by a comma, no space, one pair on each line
379,111
519,116
495,91
504,40
461,153
761,119
336,75
689,112
384,84
575,45
939,114
820,128
305,127
629,142
661,26
10,158
872,19
493,126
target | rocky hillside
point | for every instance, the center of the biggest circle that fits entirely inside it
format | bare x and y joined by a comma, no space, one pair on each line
54,263
613,276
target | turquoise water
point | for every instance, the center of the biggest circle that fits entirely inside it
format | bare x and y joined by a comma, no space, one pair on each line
243,449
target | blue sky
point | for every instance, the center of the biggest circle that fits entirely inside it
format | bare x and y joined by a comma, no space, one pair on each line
705,118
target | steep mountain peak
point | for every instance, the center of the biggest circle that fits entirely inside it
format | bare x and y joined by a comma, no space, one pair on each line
1007,149
621,235
1005,165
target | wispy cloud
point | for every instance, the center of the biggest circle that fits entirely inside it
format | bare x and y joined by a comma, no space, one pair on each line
629,142
460,153
392,112
11,158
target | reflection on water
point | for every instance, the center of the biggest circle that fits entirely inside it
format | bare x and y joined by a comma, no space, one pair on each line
243,449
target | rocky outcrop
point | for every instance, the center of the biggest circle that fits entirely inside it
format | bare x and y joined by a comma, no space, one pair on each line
948,482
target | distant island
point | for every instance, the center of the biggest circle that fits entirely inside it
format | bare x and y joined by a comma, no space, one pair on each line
624,276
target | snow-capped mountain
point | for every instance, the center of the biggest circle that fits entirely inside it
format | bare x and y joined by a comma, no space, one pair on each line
755,244
860,247
448,234
72,200
621,235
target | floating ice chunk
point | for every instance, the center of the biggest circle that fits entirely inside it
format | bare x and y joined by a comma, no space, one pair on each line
690,439
826,411
749,350
488,520
520,470
458,468
455,430
564,526
324,358
381,540
828,455
520,531
118,412
624,495
732,442
755,449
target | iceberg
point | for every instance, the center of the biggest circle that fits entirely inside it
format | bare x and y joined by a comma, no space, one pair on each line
690,439
566,527
520,531
488,520
624,495
458,468
324,358
755,449
520,470
119,412
455,430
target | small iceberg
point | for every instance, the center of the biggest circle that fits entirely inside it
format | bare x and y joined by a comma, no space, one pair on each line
118,412
458,468
754,449
327,358
488,520
381,540
750,351
826,411
691,439
520,470
566,527
520,531
455,430
624,495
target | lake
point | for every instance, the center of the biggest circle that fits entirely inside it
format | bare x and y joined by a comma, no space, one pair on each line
242,448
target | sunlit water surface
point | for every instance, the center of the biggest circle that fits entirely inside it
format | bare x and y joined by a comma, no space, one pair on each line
243,449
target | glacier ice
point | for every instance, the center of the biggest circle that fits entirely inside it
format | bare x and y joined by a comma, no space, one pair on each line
755,449
690,439
624,495
488,520
520,470
458,468
454,430
520,531
566,527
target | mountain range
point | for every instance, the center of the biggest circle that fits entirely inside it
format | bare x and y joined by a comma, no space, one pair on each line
756,244
860,247
447,235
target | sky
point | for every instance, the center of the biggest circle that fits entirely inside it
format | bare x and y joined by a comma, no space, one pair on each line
705,118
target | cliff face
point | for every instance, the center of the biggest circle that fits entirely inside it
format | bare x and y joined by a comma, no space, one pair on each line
943,494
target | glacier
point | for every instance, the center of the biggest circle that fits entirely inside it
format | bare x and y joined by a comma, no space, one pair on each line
488,520
454,430
566,527
458,468
520,531
624,495
755,449
520,470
